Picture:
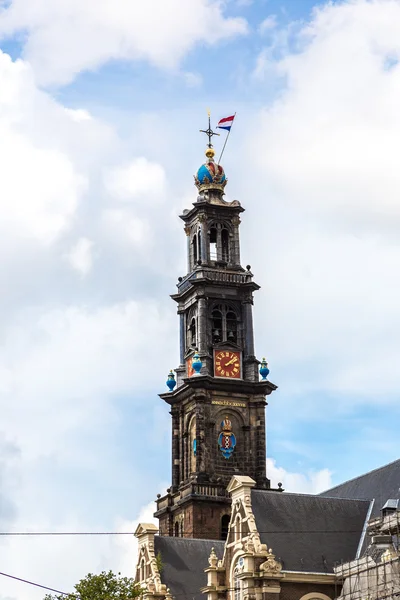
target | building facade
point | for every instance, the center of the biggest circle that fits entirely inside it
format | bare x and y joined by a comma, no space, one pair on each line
224,533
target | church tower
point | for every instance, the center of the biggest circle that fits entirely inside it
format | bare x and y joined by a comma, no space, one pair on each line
218,405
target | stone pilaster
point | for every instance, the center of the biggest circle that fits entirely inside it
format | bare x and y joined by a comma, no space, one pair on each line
248,324
204,238
175,449
260,445
202,326
182,338
250,361
235,241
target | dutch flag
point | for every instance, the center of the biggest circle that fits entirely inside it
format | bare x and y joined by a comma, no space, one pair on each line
226,123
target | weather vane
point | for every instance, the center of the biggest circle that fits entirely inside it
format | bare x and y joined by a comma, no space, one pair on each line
209,132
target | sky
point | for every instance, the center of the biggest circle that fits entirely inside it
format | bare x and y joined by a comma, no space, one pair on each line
101,102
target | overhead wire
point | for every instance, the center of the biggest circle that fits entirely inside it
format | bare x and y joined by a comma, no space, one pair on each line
39,585
186,532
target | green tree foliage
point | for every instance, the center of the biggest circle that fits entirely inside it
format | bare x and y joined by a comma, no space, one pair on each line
159,562
105,586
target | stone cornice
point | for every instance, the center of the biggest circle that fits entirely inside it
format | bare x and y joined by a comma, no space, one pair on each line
307,577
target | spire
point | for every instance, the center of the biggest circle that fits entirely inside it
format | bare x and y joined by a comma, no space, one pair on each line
210,176
217,402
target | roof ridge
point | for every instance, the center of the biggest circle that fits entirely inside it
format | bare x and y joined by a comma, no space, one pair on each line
315,496
360,476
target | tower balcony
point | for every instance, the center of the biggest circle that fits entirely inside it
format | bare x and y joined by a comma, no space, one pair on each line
205,273
186,492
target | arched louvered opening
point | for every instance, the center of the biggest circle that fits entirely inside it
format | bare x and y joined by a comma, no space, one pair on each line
225,324
225,244
192,333
199,254
225,520
217,333
194,249
231,327
213,244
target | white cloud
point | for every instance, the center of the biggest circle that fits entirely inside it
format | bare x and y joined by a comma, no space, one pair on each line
326,151
81,352
36,204
60,372
193,80
80,256
312,482
127,228
78,114
336,126
40,186
71,36
267,24
137,181
280,42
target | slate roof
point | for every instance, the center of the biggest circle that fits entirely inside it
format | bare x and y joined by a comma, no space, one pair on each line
184,563
379,485
309,533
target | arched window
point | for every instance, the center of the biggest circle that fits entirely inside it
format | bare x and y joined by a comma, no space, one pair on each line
225,244
142,570
193,445
176,529
237,583
238,526
191,328
217,333
225,526
192,333
231,327
213,244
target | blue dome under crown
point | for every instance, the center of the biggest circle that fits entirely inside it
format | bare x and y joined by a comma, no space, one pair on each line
210,175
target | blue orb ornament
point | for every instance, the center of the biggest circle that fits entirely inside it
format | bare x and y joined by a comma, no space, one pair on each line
171,383
211,173
264,371
196,363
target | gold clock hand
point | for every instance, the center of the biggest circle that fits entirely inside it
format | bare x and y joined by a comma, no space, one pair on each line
231,361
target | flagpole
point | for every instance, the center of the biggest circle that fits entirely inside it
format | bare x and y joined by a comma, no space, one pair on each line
226,139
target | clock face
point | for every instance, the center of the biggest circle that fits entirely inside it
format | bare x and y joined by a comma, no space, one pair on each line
227,364
189,369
